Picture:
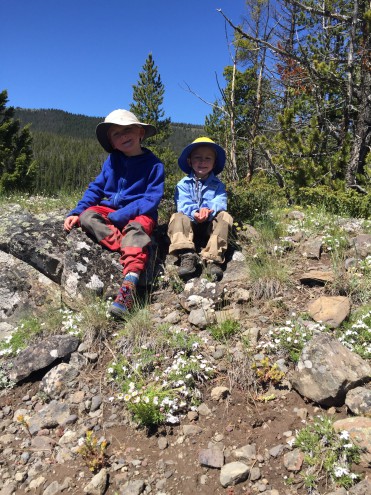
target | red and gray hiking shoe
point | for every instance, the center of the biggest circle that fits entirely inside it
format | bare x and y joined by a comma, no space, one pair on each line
124,300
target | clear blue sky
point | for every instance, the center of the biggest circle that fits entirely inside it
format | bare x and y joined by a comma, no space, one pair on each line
83,56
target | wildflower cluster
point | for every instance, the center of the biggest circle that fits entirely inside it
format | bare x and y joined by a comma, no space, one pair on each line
5,381
327,451
155,387
364,266
334,242
290,338
70,321
357,337
13,344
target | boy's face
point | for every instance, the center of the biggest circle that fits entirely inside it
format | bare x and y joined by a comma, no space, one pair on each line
126,138
202,161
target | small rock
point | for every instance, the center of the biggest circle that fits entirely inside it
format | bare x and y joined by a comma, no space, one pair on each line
203,410
247,452
233,473
97,485
212,457
189,430
135,487
293,460
162,443
218,393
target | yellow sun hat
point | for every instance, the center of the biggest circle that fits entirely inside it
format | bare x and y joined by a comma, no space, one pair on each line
220,155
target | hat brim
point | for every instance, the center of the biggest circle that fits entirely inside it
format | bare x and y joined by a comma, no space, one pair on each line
101,132
219,162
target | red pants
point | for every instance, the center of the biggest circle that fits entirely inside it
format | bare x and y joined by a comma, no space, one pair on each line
132,242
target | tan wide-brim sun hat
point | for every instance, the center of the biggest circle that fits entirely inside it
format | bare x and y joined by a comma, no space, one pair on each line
202,141
120,117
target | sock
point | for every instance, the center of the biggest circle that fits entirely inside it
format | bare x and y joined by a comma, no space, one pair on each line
132,277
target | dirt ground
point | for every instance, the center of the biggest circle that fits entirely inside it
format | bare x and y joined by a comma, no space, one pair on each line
135,454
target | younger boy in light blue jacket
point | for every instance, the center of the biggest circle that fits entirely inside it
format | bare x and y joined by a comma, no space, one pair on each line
201,203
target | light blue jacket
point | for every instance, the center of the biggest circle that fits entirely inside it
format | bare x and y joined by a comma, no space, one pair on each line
191,194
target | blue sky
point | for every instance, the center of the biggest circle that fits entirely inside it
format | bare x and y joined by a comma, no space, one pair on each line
83,56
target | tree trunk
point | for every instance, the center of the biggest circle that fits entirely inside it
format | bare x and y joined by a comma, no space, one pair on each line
362,127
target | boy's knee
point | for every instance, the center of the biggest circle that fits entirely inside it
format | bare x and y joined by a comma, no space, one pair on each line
224,216
135,236
92,222
86,218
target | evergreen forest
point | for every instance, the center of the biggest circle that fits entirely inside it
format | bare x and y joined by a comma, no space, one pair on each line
68,153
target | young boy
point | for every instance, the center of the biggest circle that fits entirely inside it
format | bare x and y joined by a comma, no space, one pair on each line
119,208
201,203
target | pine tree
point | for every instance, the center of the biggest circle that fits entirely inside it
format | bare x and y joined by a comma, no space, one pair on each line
17,166
148,96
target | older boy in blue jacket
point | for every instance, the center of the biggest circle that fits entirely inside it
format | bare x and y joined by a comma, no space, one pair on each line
201,203
119,208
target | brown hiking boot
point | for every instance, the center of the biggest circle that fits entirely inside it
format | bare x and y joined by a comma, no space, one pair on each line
187,264
215,271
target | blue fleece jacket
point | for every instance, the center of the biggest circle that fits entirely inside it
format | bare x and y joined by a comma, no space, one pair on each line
130,185
191,194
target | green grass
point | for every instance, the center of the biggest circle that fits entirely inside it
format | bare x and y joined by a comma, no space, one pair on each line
38,203
225,330
21,337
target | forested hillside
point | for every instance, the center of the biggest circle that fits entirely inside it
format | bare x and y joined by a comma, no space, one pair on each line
66,149
80,126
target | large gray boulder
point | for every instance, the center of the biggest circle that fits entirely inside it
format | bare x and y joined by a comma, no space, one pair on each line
327,370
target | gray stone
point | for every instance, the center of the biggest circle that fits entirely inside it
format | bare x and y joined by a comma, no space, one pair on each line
96,403
312,248
9,489
41,355
98,484
162,443
361,488
276,451
296,215
55,488
51,415
58,379
293,460
204,410
218,393
135,487
247,452
233,473
255,474
212,457
327,370
190,430
362,245
358,400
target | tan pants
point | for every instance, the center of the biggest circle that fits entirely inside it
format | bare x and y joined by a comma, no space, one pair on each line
183,234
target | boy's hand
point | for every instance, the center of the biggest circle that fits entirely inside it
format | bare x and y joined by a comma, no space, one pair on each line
202,215
70,222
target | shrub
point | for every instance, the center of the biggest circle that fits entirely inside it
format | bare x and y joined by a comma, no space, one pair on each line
342,202
248,202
